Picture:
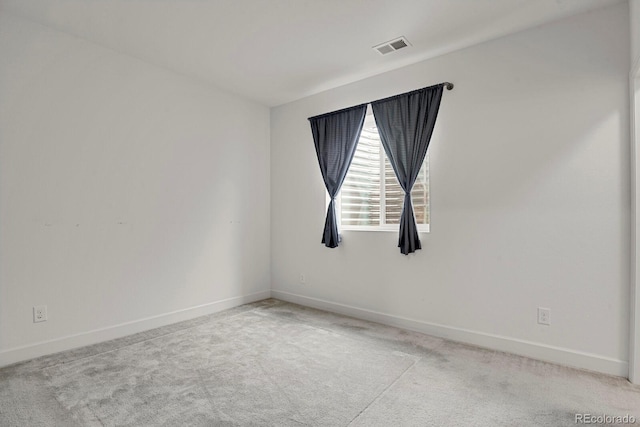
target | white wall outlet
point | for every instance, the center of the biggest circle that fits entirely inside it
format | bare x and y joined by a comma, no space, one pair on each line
40,313
303,279
544,316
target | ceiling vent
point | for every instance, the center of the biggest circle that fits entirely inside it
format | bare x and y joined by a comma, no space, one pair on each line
392,45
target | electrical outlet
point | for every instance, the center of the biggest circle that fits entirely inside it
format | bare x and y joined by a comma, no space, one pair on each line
303,279
544,316
40,313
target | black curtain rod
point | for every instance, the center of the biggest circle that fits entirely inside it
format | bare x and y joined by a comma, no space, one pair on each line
447,85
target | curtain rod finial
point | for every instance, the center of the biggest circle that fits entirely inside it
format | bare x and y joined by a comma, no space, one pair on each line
448,85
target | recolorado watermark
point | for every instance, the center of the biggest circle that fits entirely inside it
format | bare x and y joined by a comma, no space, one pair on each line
604,419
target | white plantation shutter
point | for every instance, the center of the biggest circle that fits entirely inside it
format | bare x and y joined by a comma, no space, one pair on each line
368,201
360,202
395,195
420,194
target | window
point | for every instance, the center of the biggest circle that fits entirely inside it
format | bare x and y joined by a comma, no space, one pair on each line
371,197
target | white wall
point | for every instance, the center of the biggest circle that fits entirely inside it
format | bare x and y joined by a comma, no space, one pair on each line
634,14
126,192
530,200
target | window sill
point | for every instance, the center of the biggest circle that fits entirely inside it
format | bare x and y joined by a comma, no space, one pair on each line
422,229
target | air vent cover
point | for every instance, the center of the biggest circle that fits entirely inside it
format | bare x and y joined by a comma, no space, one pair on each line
392,45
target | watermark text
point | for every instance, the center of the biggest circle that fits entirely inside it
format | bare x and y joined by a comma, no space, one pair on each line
604,419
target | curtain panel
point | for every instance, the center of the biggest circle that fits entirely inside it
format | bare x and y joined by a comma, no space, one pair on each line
405,123
335,136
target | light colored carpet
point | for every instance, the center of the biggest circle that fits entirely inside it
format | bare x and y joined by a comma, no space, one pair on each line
279,364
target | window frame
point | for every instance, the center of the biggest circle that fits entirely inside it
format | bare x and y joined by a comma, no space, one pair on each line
422,228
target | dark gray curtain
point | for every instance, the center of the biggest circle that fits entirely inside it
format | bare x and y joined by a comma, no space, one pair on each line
335,136
405,123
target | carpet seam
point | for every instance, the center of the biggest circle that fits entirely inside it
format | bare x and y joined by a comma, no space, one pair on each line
383,392
51,389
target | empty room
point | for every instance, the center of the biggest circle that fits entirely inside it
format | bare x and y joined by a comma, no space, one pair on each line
319,212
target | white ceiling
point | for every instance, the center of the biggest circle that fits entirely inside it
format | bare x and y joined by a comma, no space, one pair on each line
276,51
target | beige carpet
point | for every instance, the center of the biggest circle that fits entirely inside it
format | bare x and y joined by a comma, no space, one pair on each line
279,364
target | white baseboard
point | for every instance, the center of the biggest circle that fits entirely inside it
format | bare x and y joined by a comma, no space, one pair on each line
559,355
19,354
